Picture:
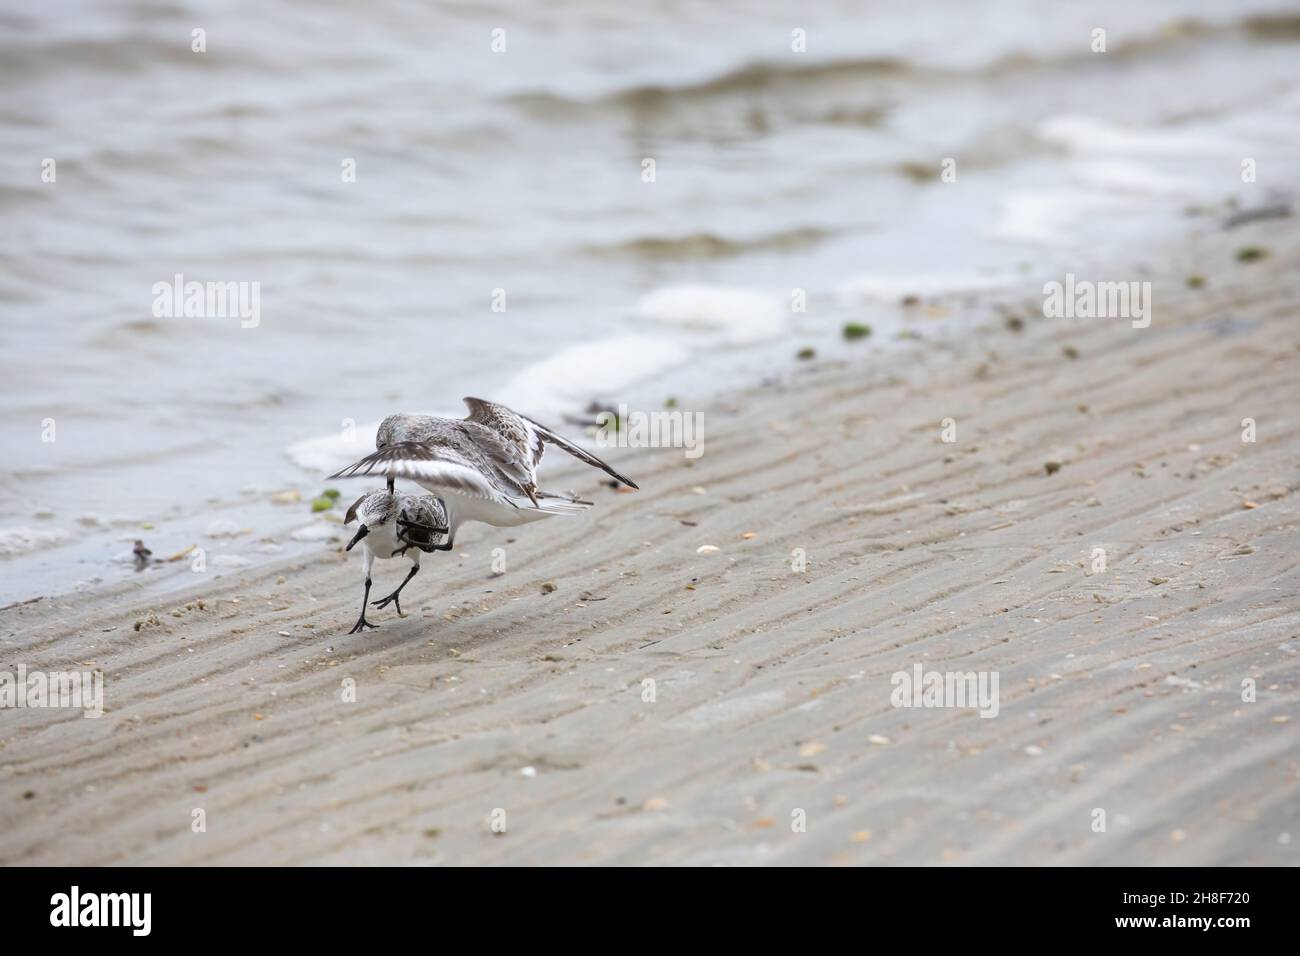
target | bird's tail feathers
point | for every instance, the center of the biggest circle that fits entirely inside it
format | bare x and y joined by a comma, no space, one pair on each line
554,504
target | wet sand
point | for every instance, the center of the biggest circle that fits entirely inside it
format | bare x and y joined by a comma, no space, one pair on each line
1119,690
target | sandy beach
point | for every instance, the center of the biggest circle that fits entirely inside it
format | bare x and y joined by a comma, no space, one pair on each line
506,722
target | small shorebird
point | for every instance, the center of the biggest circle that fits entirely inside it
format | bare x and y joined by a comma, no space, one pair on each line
483,467
393,525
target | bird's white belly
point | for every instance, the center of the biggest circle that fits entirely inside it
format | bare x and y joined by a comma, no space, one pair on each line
462,508
382,541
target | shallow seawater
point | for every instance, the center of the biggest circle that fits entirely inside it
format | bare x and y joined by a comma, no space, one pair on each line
500,238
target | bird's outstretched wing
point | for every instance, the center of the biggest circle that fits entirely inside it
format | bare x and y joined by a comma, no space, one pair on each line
433,466
526,439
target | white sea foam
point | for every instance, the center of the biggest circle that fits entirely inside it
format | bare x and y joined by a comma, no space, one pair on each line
223,528
740,315
326,454
1130,177
1048,215
20,540
589,370
886,288
320,531
106,521
1085,134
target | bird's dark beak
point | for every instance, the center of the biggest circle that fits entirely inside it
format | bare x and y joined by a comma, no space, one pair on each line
361,533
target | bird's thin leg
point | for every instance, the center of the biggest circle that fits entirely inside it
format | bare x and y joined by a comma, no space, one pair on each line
362,623
384,602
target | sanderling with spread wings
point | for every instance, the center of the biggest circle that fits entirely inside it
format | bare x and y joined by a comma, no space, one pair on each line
393,525
483,467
